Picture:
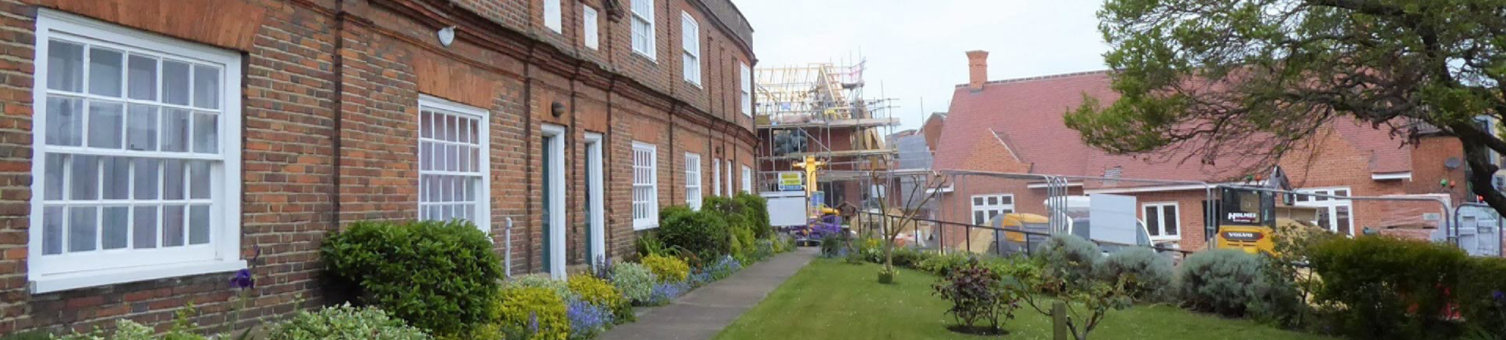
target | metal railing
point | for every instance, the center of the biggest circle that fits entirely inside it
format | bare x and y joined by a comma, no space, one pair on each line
1002,241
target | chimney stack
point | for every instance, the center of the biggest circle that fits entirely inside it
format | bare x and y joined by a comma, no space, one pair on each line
977,69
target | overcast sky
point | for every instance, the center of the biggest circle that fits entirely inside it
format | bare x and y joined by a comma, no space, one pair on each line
915,48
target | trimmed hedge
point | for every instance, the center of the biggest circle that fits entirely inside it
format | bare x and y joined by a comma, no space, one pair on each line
1149,274
438,276
704,233
1391,288
1070,256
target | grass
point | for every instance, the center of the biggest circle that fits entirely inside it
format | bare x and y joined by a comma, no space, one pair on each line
833,300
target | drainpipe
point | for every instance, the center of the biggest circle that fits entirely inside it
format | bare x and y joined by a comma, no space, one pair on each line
507,256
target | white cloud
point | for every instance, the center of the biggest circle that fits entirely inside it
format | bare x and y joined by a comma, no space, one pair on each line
915,48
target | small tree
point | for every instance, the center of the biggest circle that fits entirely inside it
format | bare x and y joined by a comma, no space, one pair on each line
1086,302
924,186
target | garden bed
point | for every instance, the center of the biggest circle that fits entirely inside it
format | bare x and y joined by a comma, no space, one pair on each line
837,300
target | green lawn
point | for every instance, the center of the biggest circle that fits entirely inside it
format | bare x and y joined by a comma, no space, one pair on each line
834,300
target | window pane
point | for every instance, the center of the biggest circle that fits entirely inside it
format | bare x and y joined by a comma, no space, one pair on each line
116,224
172,225
977,201
146,177
65,66
54,176
1006,200
105,123
1341,213
206,86
1152,221
1169,216
978,217
172,179
141,127
206,133
117,184
174,82
83,228
104,71
175,130
993,200
65,121
144,226
52,230
198,223
142,74
83,180
198,179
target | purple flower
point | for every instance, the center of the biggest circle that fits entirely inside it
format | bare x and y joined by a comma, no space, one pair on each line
1498,295
533,323
242,280
664,292
586,319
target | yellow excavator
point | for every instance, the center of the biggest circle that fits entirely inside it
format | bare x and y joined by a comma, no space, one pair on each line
1249,217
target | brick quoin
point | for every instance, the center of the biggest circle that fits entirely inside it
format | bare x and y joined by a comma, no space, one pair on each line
329,111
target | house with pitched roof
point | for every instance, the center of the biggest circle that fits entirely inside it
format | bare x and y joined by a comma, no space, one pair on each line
1016,126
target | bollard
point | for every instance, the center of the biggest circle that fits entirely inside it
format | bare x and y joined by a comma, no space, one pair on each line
1059,321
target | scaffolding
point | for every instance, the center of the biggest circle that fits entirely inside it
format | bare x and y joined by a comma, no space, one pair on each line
824,105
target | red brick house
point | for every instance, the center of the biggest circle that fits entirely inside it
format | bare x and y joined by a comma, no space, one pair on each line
152,147
1015,126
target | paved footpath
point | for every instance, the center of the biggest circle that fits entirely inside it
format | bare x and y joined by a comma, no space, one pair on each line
704,312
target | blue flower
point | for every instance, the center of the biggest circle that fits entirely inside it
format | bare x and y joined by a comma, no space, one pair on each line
533,323
1498,295
586,319
242,280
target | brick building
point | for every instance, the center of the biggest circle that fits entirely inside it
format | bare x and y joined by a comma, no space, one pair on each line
1015,126
152,147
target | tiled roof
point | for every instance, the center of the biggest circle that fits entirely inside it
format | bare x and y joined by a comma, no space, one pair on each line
1027,114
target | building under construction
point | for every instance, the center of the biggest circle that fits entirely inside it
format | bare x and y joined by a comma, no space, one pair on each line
819,112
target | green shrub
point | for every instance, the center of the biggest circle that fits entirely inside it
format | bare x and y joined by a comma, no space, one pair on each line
344,322
667,269
635,281
1146,273
1218,281
1071,256
539,280
978,294
1482,295
1389,288
533,308
702,233
126,329
1023,269
907,257
756,210
32,335
832,245
943,264
439,276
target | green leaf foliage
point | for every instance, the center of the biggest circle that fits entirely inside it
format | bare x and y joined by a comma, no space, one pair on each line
1147,274
344,322
704,233
438,276
1389,288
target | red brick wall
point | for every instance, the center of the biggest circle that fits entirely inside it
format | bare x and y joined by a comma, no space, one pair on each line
329,129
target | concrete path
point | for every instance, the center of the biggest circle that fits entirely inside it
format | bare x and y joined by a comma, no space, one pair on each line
704,312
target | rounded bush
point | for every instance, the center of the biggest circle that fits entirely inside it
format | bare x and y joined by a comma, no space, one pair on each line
344,322
438,276
756,210
1218,281
667,269
944,264
635,281
1070,256
703,233
1147,273
538,310
595,291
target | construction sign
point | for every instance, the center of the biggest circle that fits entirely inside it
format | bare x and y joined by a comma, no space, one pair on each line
791,181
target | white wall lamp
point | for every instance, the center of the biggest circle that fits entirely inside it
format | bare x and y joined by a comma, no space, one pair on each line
447,36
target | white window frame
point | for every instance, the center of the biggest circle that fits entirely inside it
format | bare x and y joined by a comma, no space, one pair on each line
590,27
746,96
554,15
483,193
728,169
716,177
1163,231
690,42
642,30
693,194
645,177
747,179
980,203
558,210
1331,206
58,272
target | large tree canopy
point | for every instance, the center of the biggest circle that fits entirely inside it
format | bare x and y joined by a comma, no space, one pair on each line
1259,77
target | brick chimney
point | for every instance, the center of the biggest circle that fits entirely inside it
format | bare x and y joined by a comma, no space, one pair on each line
977,69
